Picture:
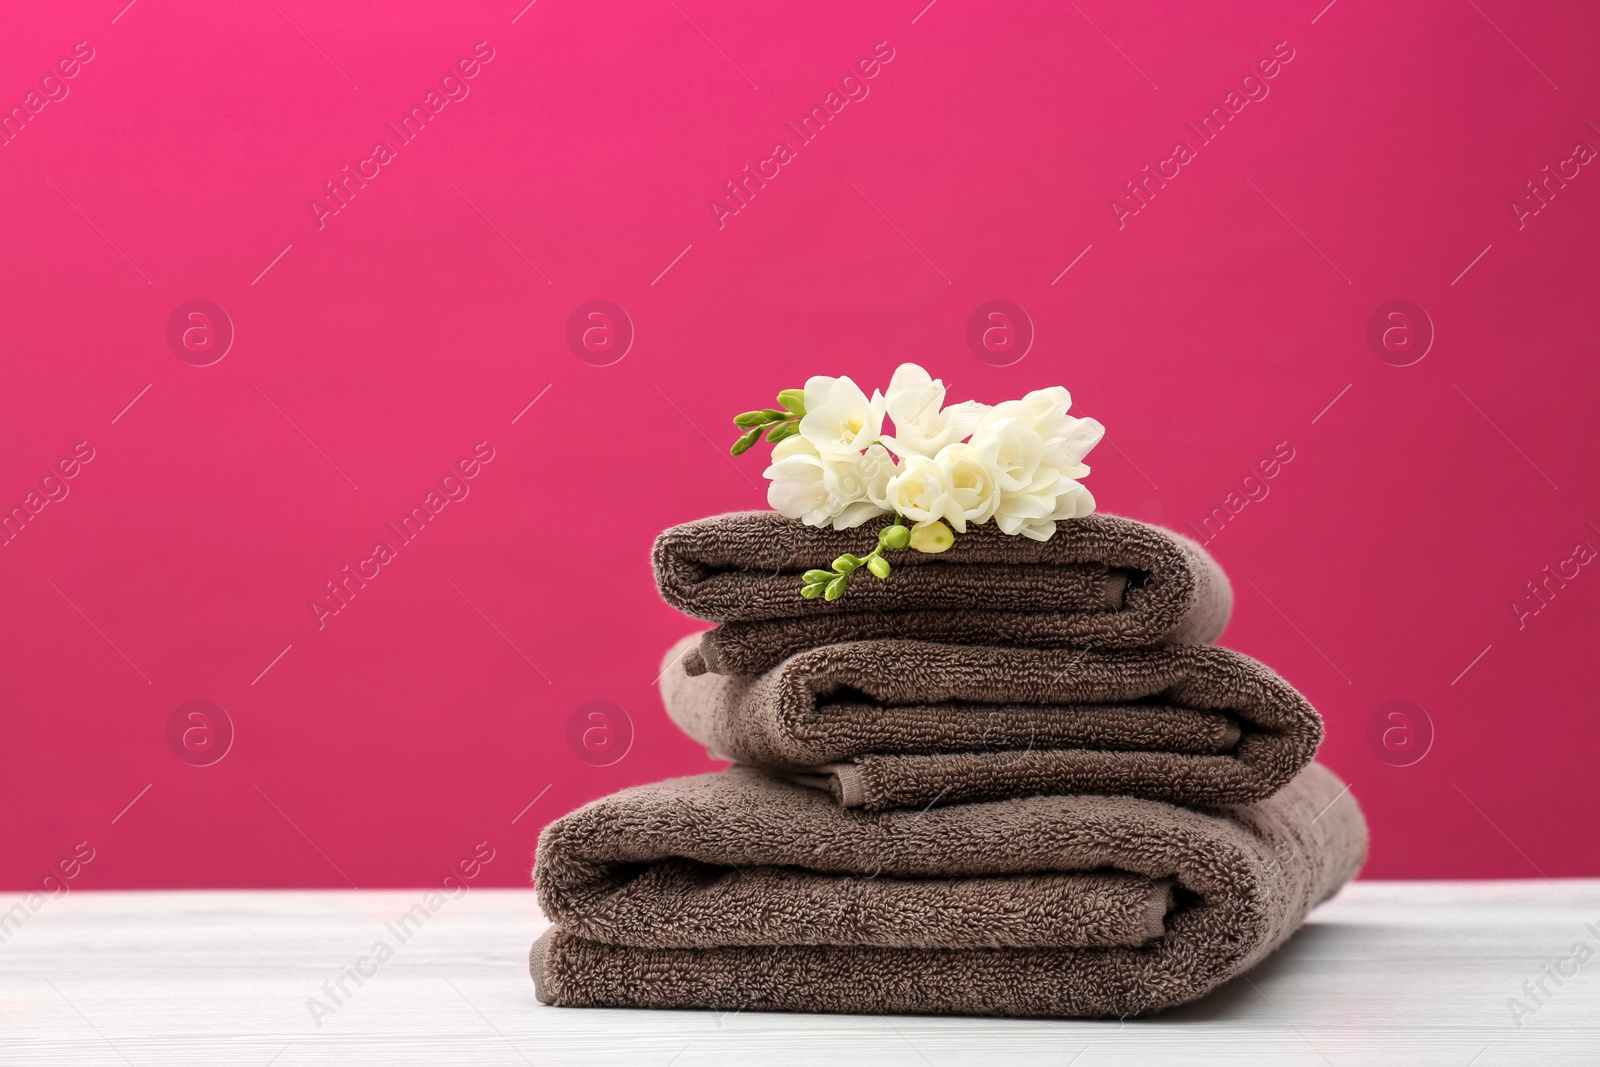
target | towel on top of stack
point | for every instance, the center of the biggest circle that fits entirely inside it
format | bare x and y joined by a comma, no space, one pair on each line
1100,582
1009,780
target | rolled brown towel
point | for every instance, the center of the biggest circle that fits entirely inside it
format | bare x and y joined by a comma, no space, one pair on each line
886,724
741,891
1100,582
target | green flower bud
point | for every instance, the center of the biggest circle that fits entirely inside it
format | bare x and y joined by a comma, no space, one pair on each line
932,537
746,419
812,590
846,563
782,432
742,445
835,588
818,576
895,536
879,566
794,400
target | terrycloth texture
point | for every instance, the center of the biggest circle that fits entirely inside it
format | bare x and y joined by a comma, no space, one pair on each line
742,891
1100,582
893,724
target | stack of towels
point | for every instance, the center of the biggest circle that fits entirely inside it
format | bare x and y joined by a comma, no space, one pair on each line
1012,779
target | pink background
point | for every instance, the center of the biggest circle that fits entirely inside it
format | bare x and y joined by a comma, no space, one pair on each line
376,351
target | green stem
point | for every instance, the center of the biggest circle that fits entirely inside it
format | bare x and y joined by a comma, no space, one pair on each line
831,584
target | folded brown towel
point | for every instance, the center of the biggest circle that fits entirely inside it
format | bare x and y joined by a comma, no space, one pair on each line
1100,582
891,724
743,891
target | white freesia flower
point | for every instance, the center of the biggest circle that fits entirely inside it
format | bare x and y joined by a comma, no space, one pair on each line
1067,439
839,419
859,486
1013,448
972,485
1017,464
922,424
798,490
841,491
1040,411
1020,513
1074,502
919,490
1037,451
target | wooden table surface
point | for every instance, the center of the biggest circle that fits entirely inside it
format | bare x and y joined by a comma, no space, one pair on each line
1406,973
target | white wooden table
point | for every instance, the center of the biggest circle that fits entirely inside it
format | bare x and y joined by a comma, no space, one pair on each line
1389,973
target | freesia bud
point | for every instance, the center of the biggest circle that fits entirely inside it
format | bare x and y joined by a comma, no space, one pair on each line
818,576
932,537
794,400
879,566
742,445
895,536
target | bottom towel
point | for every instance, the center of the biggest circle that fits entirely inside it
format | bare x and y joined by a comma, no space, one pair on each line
740,891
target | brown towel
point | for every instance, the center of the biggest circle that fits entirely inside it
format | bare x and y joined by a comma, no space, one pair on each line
890,724
743,891
1101,582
